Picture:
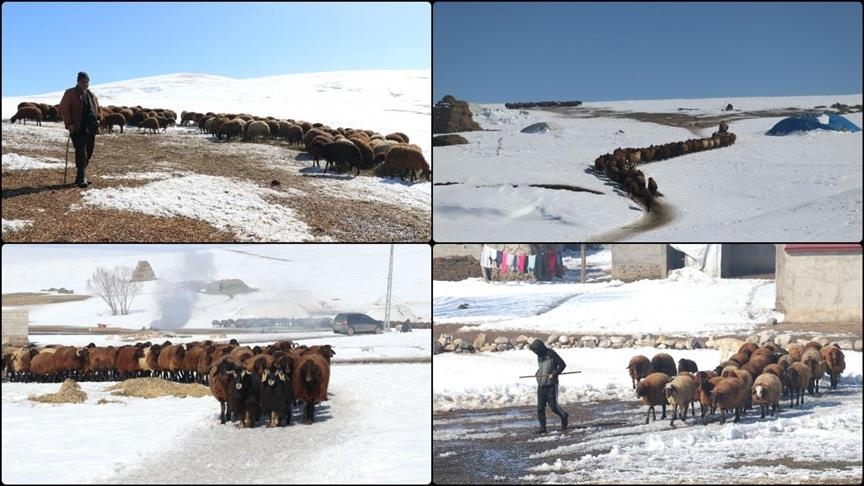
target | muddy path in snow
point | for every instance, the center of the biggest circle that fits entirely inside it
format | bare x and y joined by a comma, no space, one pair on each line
495,446
661,214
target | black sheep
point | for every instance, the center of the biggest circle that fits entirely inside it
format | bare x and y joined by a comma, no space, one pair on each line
276,396
244,398
337,153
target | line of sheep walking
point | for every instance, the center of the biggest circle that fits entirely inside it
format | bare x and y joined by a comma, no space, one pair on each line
247,382
621,166
754,375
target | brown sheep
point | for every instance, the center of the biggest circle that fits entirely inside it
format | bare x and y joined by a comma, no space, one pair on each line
231,129
27,113
797,377
651,391
256,129
325,350
310,379
170,361
109,121
221,374
397,136
652,186
189,367
706,387
365,150
813,358
316,145
729,394
407,157
100,363
663,363
150,123
779,371
724,127
293,134
127,361
835,362
639,368
258,364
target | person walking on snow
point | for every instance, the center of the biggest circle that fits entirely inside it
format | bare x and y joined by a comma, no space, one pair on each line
79,109
549,365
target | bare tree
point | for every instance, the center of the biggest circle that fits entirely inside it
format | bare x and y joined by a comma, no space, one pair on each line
127,290
115,287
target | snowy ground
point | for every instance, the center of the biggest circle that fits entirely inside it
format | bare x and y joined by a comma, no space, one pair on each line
746,192
483,413
703,305
289,278
375,428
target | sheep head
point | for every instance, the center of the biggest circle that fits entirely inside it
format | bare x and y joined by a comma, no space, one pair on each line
759,391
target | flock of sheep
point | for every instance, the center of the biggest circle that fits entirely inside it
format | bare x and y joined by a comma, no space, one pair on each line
621,165
247,382
753,375
341,148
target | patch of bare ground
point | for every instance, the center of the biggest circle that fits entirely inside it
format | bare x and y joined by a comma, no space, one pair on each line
32,298
118,160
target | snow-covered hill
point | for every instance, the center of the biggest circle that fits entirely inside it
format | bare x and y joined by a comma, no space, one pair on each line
381,100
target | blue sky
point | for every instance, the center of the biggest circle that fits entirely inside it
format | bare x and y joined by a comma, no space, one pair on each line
499,52
46,44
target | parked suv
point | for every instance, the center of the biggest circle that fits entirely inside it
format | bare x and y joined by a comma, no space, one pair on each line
351,322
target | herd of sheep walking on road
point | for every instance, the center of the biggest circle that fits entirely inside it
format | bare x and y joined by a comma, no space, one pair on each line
341,148
754,375
247,382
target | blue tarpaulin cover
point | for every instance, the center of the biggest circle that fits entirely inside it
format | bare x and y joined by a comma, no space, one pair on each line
806,123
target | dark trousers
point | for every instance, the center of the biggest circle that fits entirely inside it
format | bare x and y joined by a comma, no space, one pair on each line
83,143
547,395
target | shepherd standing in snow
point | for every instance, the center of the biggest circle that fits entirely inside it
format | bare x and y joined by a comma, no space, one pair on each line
549,365
79,109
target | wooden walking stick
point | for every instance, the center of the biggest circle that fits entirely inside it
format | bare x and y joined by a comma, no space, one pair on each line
65,169
565,373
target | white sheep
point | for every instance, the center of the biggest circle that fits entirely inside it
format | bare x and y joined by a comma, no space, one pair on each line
766,391
680,393
727,346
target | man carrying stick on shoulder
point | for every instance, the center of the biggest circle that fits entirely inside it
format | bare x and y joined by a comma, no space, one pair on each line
550,365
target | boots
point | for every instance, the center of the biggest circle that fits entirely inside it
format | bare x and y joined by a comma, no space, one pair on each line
541,430
564,420
80,181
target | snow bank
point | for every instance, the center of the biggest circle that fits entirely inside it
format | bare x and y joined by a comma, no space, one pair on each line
226,204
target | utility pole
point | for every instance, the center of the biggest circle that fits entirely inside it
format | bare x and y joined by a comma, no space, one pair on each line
582,251
389,290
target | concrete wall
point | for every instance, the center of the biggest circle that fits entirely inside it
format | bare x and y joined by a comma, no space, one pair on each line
747,259
819,287
636,262
15,326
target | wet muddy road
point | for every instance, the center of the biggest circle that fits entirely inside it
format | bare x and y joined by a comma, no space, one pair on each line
496,446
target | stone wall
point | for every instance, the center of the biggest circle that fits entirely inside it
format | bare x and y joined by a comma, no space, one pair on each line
490,342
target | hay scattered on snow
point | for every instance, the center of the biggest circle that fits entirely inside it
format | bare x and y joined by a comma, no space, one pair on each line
157,387
70,392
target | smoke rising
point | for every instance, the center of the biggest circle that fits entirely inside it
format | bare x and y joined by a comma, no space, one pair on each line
176,301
